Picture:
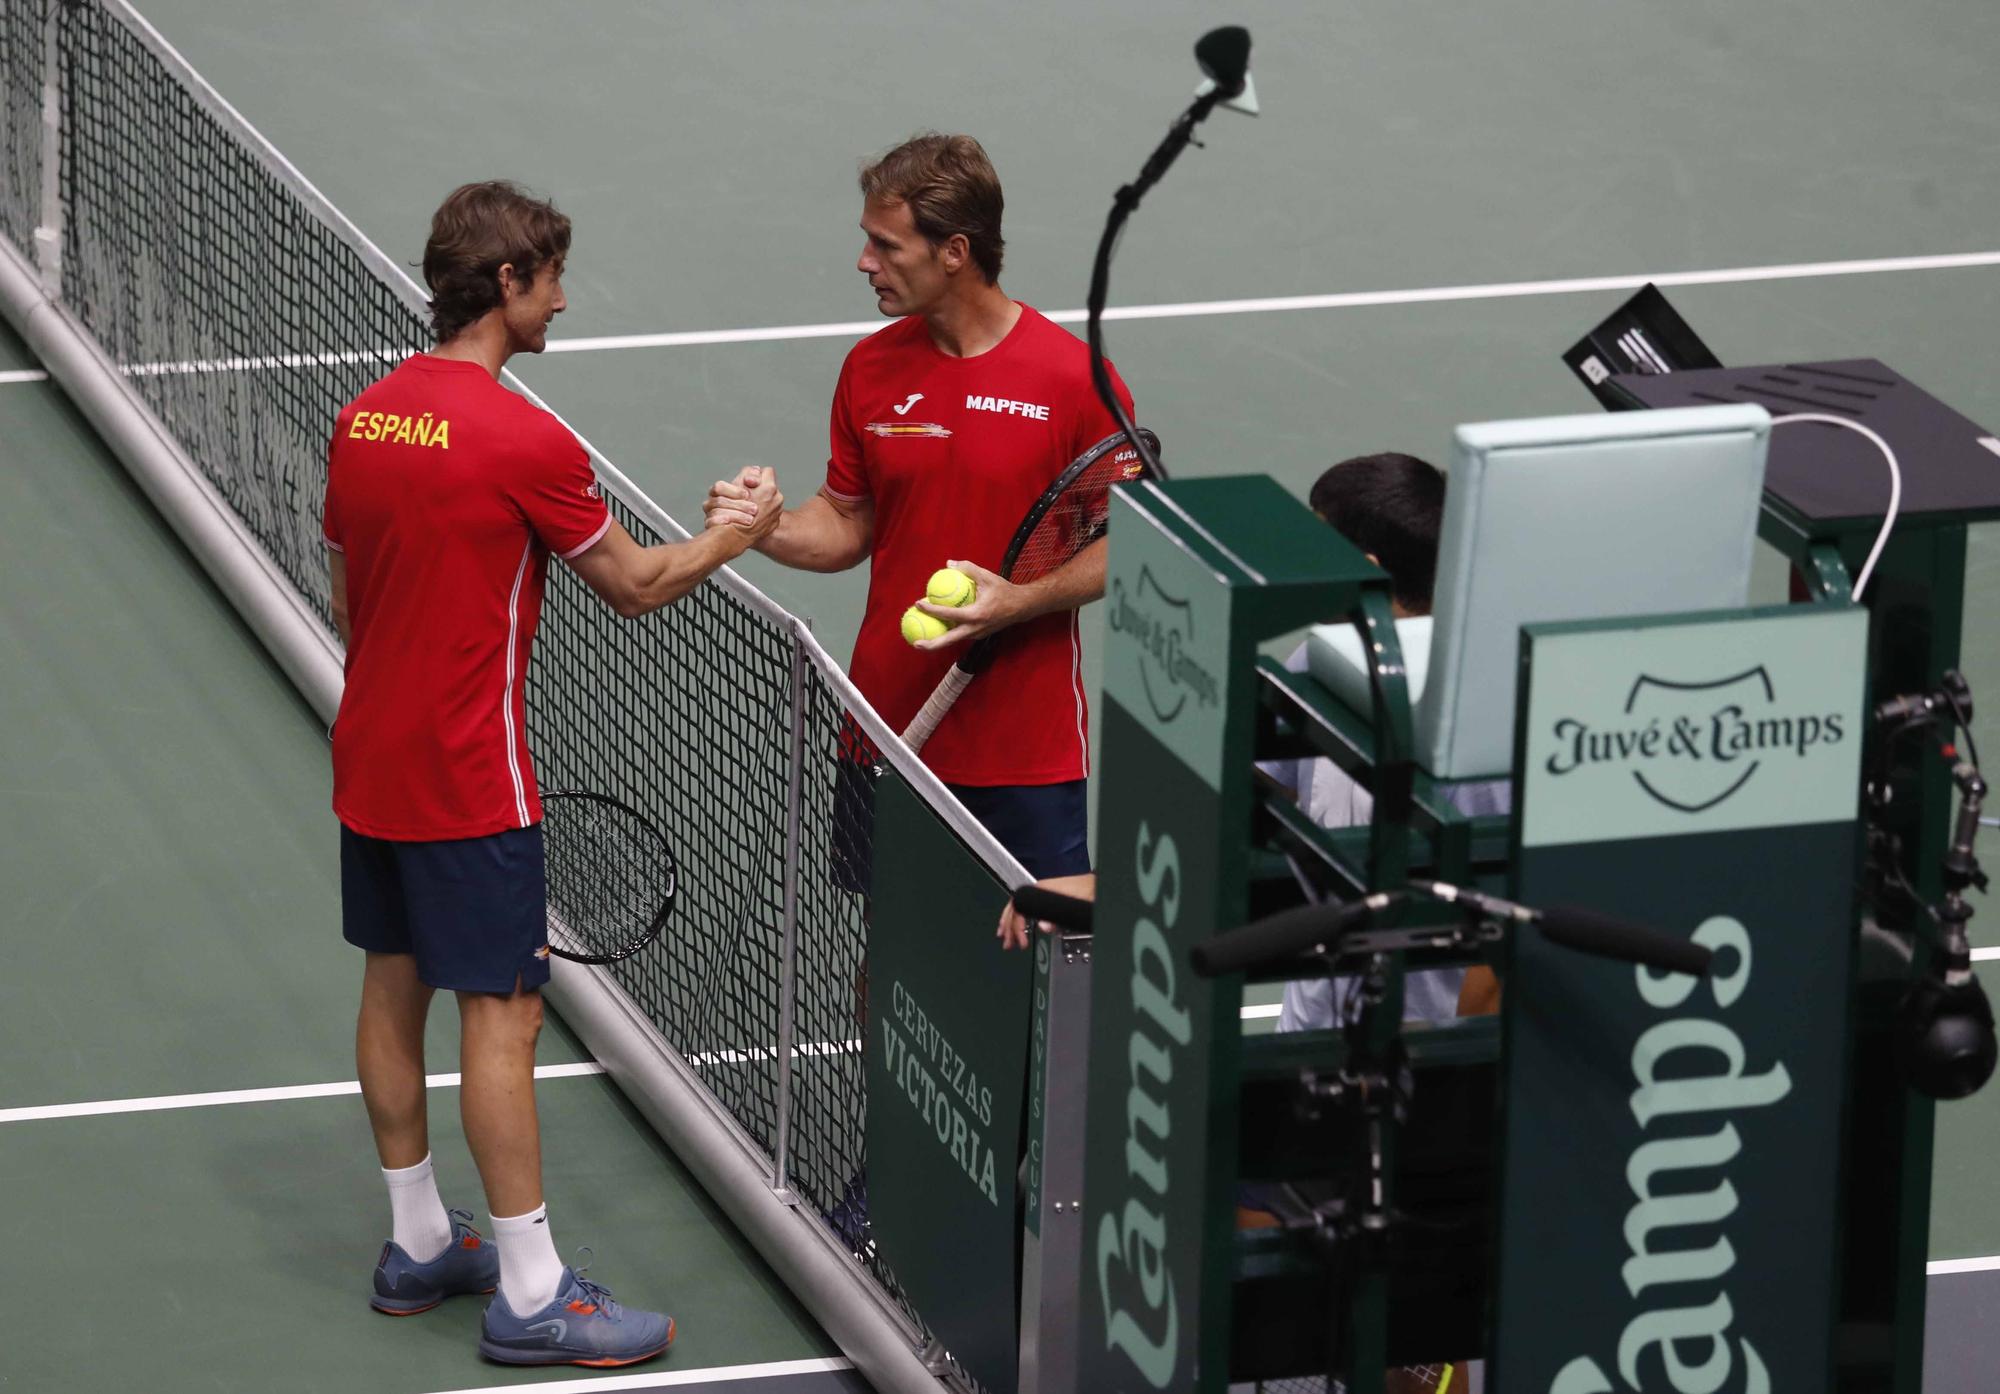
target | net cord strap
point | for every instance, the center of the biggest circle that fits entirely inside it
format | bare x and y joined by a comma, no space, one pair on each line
788,953
48,233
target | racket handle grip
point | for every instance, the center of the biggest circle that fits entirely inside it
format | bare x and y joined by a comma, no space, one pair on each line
925,722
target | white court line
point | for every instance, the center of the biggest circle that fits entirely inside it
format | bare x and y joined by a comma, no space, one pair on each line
252,1096
669,1379
1268,1010
1963,1265
1341,300
1344,300
1985,955
24,375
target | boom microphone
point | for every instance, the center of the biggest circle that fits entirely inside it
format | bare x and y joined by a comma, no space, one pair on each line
1589,932
1224,56
1282,936
1286,935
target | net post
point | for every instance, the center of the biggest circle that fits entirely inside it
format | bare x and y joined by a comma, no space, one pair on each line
49,231
788,967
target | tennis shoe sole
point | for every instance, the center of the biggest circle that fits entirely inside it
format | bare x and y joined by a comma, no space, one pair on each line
511,1355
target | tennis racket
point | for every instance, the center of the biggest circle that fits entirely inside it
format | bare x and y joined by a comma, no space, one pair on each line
1070,515
611,877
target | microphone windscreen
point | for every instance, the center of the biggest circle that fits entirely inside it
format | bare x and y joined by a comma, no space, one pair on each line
1589,932
1062,911
1274,938
1224,55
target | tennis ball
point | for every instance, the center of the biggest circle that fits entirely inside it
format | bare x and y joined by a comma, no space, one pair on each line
949,587
918,626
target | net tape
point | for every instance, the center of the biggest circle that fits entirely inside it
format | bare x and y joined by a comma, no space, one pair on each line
245,320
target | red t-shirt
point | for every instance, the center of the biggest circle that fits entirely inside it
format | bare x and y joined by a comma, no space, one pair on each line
446,493
953,451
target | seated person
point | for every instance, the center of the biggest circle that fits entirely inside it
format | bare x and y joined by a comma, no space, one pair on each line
1390,506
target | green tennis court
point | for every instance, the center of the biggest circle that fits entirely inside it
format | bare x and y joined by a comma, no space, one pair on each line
1436,202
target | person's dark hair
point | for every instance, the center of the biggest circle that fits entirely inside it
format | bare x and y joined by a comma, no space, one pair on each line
950,187
1390,506
478,229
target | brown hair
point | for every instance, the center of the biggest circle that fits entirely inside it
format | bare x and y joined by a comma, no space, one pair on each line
950,187
478,229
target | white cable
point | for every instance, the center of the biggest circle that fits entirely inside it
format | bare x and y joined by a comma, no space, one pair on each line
1895,485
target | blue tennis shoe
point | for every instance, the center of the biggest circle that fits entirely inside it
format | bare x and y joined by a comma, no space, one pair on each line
581,1326
404,1287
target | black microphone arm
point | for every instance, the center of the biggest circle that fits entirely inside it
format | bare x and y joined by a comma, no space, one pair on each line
1588,932
1285,935
1224,54
1288,934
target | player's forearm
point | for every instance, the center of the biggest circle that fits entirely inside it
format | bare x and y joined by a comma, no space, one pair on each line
818,537
669,571
1070,586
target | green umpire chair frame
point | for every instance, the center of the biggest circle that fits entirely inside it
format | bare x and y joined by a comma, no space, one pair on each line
1552,519
1555,518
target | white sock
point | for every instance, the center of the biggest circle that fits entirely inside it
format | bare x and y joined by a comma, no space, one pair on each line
529,1268
422,1229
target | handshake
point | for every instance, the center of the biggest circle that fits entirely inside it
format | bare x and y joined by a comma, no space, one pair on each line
750,503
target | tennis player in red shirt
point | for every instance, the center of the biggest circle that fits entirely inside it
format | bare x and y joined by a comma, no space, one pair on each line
446,496
946,426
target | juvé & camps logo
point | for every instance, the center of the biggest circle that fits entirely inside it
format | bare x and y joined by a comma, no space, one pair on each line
1162,626
1693,745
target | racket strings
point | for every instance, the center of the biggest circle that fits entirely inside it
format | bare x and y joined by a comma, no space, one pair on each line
1075,520
611,877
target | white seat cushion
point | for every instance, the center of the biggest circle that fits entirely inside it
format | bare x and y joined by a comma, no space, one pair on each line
1335,659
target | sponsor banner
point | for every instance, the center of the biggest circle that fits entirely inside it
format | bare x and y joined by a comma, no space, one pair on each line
1670,1201
1151,1022
1166,644
1687,726
947,1049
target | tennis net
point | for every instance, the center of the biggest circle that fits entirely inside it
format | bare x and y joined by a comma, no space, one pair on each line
244,310
21,36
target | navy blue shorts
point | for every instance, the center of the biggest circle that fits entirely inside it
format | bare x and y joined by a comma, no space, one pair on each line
1045,826
474,910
